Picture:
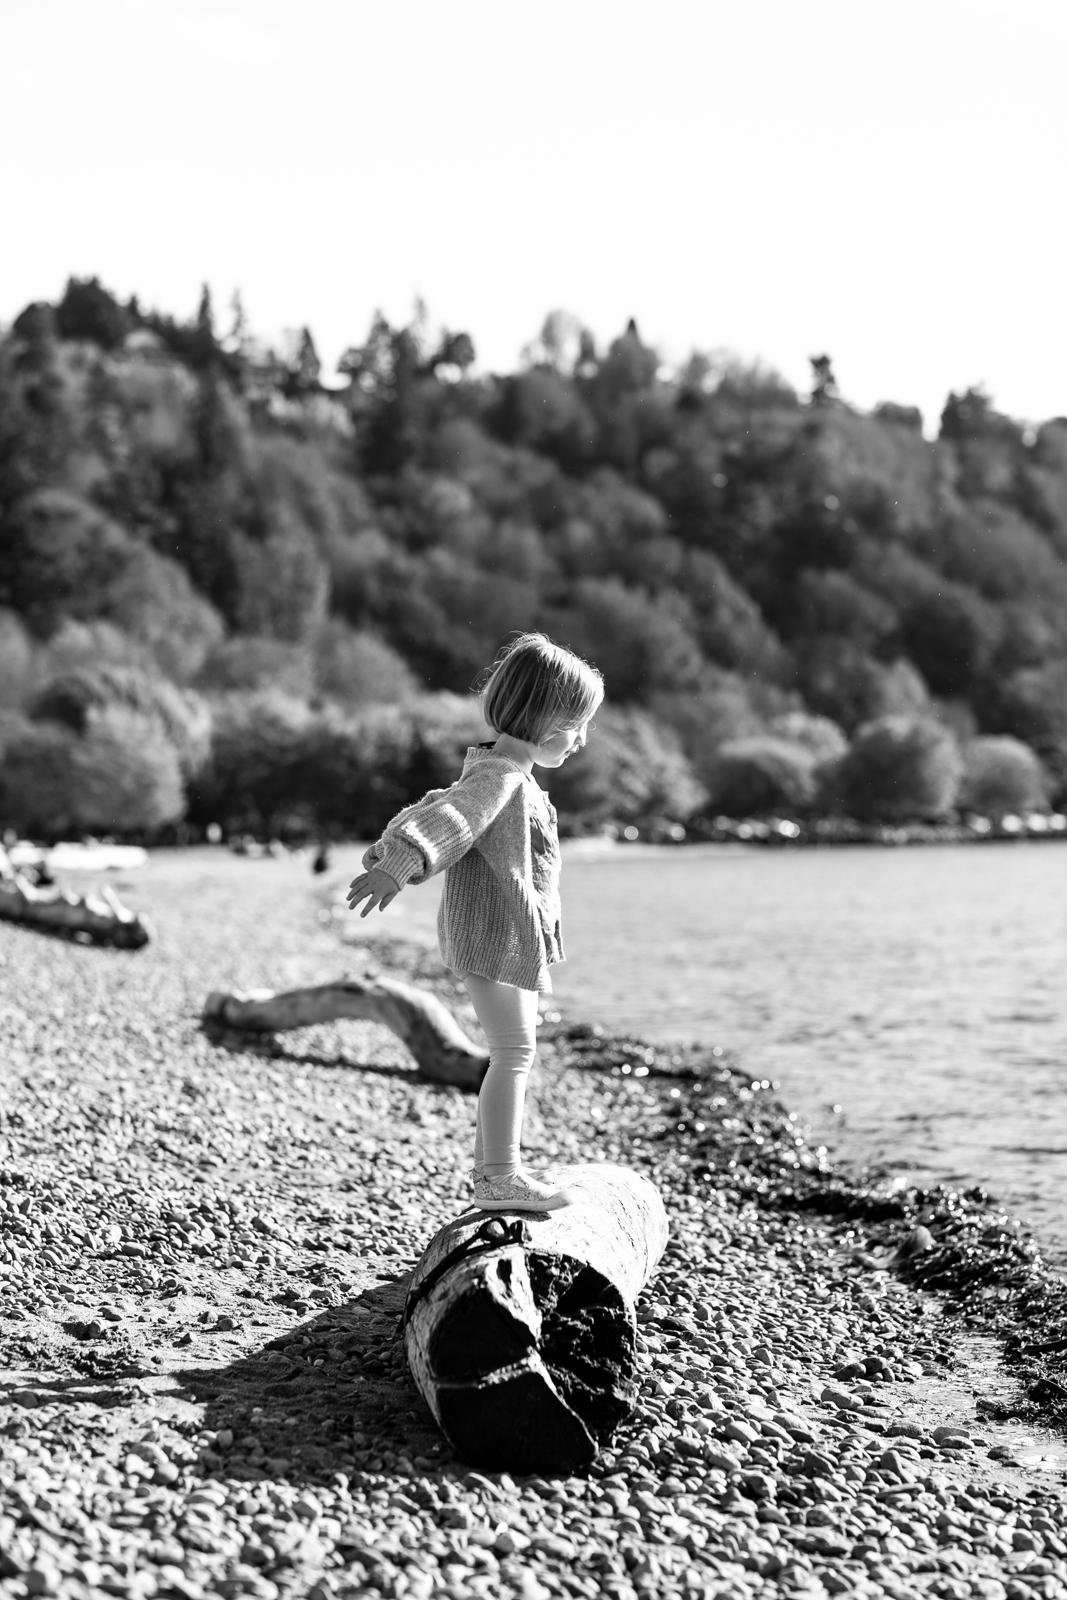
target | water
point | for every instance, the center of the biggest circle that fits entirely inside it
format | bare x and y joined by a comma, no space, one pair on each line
911,1004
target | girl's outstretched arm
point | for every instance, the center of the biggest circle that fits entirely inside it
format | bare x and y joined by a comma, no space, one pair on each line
441,827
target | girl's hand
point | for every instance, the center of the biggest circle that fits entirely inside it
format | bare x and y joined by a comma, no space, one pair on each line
376,887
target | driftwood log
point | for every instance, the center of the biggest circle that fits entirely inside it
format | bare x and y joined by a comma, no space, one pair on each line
520,1330
100,915
441,1049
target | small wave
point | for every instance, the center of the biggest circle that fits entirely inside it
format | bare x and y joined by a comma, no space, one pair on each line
1026,1016
1033,1149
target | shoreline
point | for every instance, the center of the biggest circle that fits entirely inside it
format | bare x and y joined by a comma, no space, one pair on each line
830,832
203,1391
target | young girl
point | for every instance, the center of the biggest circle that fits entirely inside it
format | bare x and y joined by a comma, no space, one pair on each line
494,835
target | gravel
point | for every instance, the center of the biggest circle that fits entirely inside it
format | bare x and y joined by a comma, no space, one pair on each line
203,1247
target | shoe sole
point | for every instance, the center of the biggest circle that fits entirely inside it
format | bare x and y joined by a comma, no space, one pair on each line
554,1203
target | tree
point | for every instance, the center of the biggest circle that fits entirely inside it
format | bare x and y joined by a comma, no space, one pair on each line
541,410
235,344
281,583
1032,705
356,668
16,660
454,356
1002,775
35,425
842,681
950,634
244,662
78,699
205,350
58,556
304,372
970,417
254,775
91,312
154,602
821,738
899,769
556,346
831,602
728,625
823,382
760,776
121,775
632,771
642,645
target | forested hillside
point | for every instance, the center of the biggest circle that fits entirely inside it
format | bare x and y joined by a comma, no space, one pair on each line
232,592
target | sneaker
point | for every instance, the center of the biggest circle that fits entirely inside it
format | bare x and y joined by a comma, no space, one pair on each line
519,1192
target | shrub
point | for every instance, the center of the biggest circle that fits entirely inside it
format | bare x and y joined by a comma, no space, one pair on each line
278,766
632,771
445,726
282,585
120,776
246,662
254,777
153,601
357,668
760,775
641,645
840,680
76,698
821,738
358,771
1032,705
729,626
835,603
731,707
1002,775
898,769
58,557
950,634
35,779
126,776
84,646
16,660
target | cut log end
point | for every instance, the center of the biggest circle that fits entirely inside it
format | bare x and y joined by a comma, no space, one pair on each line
516,1422
525,1347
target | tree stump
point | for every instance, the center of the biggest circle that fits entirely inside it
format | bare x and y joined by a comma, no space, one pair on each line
520,1329
441,1049
101,916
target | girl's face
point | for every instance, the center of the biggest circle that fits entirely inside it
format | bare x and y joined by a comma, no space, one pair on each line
556,747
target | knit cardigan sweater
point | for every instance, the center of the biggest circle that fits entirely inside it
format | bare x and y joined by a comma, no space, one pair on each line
493,833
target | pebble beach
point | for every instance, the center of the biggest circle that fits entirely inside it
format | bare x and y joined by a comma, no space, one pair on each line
847,1387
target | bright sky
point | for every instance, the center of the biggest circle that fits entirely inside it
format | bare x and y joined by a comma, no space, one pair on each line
879,179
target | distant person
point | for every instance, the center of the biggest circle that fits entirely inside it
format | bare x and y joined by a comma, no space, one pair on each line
493,833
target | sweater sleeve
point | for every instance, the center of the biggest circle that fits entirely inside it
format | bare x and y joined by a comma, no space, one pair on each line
439,829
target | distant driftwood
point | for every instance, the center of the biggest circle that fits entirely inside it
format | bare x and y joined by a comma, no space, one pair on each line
441,1049
521,1330
100,915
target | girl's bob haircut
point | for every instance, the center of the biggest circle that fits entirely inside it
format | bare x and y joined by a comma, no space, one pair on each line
535,688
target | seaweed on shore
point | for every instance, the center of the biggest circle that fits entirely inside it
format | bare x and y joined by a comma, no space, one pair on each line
959,1244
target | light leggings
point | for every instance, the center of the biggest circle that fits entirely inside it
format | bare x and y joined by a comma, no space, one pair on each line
508,1017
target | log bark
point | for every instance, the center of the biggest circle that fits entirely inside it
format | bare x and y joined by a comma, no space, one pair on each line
520,1330
441,1049
100,916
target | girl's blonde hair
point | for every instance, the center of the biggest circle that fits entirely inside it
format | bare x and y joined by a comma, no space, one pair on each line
535,687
